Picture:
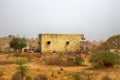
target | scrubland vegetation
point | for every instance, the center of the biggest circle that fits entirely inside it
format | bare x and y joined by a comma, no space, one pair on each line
101,64
34,66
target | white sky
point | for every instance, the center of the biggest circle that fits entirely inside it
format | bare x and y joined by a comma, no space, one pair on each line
97,19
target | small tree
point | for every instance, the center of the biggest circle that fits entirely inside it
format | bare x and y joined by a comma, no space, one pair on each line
21,67
18,43
14,43
10,36
22,43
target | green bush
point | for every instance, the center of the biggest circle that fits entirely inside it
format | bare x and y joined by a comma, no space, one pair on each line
78,61
101,59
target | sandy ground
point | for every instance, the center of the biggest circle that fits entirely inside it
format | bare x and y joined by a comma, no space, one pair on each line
36,67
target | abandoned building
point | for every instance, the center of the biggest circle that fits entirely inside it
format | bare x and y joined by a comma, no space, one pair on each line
59,42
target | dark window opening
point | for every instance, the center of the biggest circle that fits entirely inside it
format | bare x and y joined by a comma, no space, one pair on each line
38,42
67,43
48,42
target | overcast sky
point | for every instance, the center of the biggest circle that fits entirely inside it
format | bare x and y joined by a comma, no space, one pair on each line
97,19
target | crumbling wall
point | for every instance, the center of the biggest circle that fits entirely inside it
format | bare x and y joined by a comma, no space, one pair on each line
59,42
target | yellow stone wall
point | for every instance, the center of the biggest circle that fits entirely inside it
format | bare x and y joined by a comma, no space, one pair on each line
59,42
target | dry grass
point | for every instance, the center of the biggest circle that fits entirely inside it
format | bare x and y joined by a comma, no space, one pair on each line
37,66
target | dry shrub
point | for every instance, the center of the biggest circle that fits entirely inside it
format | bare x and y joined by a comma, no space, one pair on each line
77,76
6,62
41,77
66,61
1,73
0,50
106,77
70,61
29,78
16,76
8,50
83,75
29,55
55,60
